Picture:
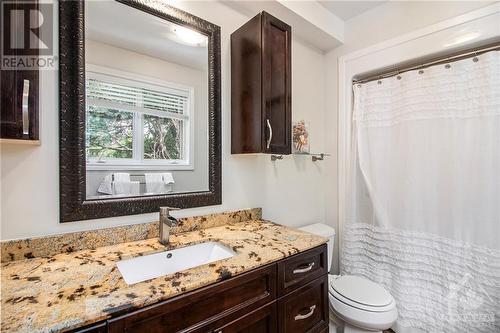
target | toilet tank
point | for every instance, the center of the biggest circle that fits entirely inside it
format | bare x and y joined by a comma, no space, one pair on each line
323,230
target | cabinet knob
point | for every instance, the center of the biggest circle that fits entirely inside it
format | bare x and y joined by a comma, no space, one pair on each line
25,107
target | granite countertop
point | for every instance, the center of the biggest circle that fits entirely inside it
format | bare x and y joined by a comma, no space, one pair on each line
68,290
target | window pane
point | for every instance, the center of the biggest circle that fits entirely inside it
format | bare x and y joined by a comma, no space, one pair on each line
106,91
163,138
109,133
161,101
135,96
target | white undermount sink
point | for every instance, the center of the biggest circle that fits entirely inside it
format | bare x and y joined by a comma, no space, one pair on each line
163,263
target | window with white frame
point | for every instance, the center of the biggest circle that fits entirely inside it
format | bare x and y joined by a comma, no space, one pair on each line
130,121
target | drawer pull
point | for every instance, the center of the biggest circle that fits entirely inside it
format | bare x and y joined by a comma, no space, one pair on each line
307,315
25,110
303,270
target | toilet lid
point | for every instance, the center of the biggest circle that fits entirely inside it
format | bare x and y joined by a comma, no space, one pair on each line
362,291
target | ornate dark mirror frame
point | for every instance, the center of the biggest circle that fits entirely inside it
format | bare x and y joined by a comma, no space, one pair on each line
72,163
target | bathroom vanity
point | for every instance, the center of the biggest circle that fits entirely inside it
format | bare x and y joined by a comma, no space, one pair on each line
287,296
275,282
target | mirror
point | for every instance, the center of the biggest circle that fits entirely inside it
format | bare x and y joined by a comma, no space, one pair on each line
146,104
150,110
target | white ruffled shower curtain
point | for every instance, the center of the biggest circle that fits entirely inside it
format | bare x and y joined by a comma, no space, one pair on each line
424,212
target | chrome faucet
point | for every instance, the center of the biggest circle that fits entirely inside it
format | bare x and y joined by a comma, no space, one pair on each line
166,222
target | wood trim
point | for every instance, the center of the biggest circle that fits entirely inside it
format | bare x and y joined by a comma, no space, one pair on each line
73,203
20,142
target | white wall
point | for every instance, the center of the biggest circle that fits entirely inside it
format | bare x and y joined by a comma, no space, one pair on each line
290,191
294,187
375,26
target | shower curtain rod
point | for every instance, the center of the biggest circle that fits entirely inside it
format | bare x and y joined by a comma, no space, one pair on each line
435,61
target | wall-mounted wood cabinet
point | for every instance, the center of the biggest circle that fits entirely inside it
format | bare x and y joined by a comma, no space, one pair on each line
19,87
261,117
19,106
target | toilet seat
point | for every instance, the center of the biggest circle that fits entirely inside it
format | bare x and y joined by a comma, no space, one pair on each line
367,320
372,309
360,293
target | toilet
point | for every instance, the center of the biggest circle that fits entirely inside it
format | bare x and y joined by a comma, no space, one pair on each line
356,303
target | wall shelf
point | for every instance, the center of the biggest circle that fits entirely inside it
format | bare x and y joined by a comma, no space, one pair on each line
314,157
276,157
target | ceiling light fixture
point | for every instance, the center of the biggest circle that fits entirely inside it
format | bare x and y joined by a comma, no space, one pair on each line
189,36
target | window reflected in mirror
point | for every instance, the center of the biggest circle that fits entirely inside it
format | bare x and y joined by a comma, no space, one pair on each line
146,104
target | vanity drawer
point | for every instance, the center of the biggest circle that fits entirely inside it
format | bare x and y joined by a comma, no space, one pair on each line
306,309
301,268
262,320
195,309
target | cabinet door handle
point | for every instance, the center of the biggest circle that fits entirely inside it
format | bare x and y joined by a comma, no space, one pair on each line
307,315
303,270
269,127
25,108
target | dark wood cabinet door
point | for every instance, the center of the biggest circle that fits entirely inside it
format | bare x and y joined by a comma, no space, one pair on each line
19,91
187,313
19,105
276,80
263,320
306,309
261,117
10,113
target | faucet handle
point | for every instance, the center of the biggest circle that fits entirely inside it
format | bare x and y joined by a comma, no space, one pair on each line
165,210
